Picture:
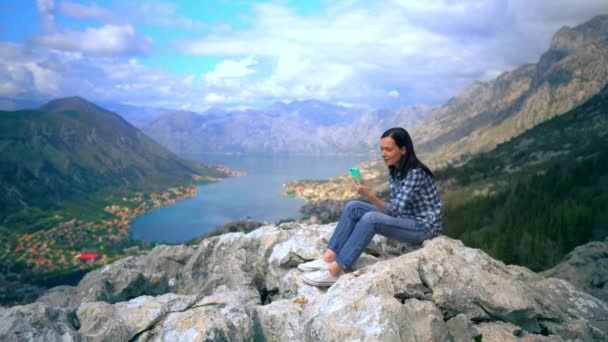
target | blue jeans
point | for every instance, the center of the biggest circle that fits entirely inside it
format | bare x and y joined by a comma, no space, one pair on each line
359,223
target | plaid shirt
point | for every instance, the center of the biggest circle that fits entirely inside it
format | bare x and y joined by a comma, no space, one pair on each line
416,196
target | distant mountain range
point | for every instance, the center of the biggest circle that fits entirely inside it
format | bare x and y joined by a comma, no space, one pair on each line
69,149
487,113
301,127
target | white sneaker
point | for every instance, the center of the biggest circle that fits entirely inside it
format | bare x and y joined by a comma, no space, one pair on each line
314,265
321,278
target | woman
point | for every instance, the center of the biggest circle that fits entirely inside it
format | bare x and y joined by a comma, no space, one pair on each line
412,215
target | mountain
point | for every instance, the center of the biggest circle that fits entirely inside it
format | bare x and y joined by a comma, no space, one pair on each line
487,113
70,149
543,192
300,127
246,287
137,116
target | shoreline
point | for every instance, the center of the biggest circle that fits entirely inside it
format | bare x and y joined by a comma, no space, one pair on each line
32,260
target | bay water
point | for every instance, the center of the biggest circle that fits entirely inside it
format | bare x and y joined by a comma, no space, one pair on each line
259,195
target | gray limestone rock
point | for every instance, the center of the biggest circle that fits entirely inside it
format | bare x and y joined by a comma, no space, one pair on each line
247,286
37,322
280,320
586,267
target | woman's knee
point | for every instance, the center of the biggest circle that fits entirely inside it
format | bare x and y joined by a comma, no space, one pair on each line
353,205
370,219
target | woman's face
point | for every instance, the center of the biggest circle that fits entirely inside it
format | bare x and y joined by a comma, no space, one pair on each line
391,153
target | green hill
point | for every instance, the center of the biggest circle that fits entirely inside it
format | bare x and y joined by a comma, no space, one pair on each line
534,198
70,154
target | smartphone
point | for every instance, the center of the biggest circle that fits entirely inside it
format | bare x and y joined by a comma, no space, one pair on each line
354,172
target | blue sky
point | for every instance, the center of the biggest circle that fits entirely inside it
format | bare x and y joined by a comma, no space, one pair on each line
239,54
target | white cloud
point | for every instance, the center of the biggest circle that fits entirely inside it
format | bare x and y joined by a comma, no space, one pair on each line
424,51
36,73
108,40
232,69
216,98
189,80
158,13
430,50
46,8
93,11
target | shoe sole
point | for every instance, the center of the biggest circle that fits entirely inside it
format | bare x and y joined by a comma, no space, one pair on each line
317,283
308,269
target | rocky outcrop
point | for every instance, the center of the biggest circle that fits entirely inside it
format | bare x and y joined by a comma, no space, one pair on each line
246,287
586,267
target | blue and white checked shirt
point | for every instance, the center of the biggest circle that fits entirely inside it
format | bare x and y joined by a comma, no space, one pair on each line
415,196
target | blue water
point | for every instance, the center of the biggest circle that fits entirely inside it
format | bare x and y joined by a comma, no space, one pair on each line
259,195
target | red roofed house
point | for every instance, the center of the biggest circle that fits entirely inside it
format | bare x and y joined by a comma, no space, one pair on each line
88,256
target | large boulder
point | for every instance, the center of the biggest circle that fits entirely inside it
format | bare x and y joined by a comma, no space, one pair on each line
247,287
37,322
586,267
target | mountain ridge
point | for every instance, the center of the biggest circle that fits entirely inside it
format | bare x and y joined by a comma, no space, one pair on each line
486,114
300,127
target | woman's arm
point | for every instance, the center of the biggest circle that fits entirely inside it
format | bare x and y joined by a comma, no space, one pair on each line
364,190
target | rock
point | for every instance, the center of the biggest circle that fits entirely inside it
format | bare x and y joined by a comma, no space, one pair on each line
303,245
150,274
225,315
122,321
280,320
37,322
460,329
62,296
466,280
586,267
246,286
366,304
422,321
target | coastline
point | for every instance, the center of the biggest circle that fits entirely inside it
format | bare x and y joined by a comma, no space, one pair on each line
33,261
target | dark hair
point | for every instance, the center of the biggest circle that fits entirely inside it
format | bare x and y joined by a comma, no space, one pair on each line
409,160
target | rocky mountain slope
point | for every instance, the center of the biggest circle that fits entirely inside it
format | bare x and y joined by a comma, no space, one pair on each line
301,127
247,287
487,113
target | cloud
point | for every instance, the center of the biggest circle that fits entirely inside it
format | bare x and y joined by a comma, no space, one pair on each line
429,50
216,98
158,13
38,73
347,52
46,9
76,10
232,69
108,40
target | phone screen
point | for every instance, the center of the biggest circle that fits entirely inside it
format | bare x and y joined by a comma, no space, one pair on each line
354,172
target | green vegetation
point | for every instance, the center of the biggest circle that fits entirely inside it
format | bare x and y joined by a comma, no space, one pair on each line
536,197
73,175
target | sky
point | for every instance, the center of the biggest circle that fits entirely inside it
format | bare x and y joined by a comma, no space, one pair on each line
197,54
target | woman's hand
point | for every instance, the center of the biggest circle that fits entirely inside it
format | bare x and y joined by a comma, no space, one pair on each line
362,188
